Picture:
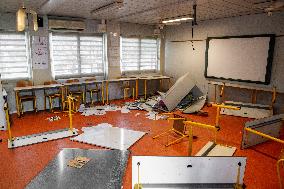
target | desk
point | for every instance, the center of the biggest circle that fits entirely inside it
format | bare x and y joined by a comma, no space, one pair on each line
29,88
150,78
118,80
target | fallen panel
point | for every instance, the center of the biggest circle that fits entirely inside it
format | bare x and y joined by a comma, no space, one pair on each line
213,149
110,137
249,110
188,186
104,170
178,91
270,126
196,106
41,137
187,170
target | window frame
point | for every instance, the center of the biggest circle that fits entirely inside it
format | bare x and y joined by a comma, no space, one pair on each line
139,71
78,35
28,55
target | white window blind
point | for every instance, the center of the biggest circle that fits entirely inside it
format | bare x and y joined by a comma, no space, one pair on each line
76,55
14,56
139,54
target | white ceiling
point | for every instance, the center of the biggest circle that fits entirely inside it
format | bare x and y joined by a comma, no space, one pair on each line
140,11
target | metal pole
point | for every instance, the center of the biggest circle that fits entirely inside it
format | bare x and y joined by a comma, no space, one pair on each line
264,135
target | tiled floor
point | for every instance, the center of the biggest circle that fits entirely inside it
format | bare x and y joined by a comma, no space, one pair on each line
20,165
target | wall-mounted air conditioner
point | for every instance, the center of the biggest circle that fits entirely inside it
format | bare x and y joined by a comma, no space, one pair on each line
66,25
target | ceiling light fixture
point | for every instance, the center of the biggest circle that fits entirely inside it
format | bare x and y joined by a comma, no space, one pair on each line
178,19
117,4
21,17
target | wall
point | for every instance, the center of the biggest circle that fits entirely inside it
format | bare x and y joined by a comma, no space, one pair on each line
114,29
180,57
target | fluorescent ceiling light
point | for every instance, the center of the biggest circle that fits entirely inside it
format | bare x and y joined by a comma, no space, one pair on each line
117,4
177,19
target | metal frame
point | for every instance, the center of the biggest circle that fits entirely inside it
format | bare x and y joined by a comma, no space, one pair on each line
206,126
271,125
177,128
14,142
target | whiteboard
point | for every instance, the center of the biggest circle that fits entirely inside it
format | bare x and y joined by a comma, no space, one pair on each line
241,58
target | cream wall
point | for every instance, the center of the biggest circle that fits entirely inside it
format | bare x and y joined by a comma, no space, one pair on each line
181,58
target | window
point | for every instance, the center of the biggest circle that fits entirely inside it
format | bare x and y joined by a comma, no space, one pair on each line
77,55
140,54
14,56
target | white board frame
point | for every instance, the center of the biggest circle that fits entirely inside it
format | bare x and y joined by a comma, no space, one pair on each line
268,65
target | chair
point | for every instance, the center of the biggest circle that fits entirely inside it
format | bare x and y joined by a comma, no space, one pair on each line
51,95
92,90
126,87
26,97
178,128
75,91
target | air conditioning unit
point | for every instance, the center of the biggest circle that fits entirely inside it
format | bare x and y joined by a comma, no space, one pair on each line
66,25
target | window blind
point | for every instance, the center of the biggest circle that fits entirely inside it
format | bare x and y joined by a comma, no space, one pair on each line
14,56
75,54
139,54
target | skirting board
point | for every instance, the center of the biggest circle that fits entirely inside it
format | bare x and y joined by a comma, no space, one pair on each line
213,149
249,110
270,126
187,170
41,137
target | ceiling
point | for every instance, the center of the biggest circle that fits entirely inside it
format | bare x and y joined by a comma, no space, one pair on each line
140,11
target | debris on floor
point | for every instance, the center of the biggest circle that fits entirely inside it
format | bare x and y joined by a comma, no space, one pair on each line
53,118
155,116
101,110
78,162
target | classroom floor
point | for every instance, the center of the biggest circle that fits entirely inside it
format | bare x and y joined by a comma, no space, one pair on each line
18,166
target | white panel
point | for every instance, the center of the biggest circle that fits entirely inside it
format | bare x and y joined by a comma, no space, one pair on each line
184,170
216,150
41,137
238,58
109,137
248,110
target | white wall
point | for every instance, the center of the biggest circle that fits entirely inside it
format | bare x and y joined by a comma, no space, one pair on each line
181,58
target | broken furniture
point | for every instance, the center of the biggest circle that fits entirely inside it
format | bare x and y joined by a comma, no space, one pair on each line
52,95
178,128
110,137
187,172
14,142
262,130
178,91
211,148
92,88
250,110
25,97
104,170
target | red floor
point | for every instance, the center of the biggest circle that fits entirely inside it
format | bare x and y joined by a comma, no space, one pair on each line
18,166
